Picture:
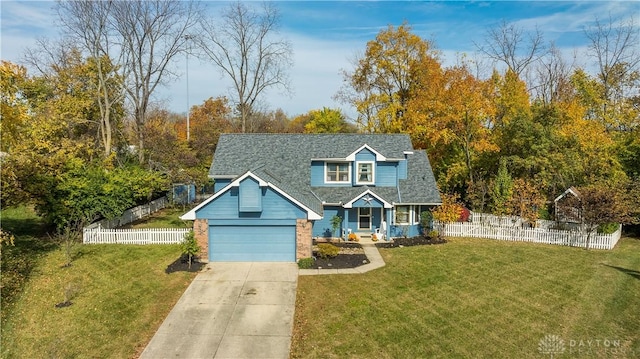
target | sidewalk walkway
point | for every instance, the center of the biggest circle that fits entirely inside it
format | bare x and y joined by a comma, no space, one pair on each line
370,250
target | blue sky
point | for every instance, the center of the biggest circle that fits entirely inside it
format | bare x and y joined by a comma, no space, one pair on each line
326,35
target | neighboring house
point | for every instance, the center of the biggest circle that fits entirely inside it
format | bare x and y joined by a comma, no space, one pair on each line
565,212
274,192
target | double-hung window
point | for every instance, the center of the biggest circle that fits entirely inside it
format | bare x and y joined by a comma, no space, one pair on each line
365,173
402,214
338,172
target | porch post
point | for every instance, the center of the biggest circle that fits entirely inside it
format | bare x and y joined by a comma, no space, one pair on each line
345,222
389,221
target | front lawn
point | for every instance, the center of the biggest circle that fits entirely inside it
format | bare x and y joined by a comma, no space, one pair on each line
120,295
476,298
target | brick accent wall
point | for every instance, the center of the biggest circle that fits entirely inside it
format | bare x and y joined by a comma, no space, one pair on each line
303,238
201,232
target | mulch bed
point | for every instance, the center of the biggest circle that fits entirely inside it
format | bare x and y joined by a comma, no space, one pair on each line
413,241
351,260
182,265
341,261
351,255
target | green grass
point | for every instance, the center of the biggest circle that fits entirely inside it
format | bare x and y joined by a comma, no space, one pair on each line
121,295
165,218
18,261
474,298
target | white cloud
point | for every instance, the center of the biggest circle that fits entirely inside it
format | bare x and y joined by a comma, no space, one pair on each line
22,24
35,14
341,30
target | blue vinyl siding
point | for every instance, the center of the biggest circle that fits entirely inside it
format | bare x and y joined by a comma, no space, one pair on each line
362,203
220,184
386,173
274,206
352,220
323,227
247,243
376,219
402,169
250,196
365,155
398,230
317,173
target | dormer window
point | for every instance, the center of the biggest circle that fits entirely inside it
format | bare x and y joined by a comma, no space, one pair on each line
365,173
338,172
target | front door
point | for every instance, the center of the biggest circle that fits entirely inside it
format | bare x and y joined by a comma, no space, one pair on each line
364,218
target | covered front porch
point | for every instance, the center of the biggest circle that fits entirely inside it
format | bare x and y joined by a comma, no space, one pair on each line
369,216
367,222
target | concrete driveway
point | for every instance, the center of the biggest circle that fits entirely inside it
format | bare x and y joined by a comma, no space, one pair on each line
231,310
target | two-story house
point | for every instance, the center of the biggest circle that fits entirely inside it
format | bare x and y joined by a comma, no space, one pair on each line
274,192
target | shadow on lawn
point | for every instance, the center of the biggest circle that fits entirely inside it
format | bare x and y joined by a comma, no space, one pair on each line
632,272
182,265
18,260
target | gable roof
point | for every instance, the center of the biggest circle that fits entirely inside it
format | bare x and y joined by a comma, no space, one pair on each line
369,193
313,207
285,159
571,190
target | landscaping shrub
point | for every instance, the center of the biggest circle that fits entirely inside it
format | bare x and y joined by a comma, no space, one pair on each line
434,234
607,228
426,219
190,246
327,250
305,263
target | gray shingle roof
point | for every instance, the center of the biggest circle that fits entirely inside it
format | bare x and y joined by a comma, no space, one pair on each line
286,158
420,185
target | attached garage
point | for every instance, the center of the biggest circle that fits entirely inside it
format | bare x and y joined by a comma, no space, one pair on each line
252,220
252,243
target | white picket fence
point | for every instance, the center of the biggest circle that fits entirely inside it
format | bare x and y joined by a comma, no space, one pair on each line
507,221
99,235
132,214
536,235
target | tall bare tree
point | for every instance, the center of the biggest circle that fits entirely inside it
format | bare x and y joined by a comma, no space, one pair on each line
615,47
511,45
87,22
138,38
552,77
245,47
150,34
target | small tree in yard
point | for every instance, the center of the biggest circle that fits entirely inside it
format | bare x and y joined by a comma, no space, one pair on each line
68,237
426,219
601,204
450,209
525,201
336,222
501,189
190,246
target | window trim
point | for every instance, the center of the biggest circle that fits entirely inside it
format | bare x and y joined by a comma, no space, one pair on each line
395,214
417,211
373,172
326,171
